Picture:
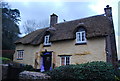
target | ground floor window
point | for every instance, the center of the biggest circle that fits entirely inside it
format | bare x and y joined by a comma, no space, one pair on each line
20,54
65,60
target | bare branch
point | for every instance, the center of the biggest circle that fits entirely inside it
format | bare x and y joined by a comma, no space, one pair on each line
32,25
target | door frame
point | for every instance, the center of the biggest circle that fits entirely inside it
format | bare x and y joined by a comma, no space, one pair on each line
42,61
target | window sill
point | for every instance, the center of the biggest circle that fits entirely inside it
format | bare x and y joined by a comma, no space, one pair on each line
64,55
19,58
46,45
81,43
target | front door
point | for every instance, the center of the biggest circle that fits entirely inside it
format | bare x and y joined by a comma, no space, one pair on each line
46,61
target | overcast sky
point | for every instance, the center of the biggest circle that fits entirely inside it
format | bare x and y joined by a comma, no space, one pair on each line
40,10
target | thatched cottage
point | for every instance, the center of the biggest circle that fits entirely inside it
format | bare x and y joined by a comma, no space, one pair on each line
70,42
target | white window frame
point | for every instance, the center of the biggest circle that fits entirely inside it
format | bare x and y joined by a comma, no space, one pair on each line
79,36
46,41
65,62
20,54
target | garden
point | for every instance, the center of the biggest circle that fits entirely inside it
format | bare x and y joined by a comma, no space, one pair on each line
91,71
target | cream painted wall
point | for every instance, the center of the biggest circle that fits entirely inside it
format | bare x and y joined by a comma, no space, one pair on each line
94,50
29,54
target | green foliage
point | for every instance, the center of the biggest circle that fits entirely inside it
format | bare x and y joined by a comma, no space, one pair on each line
117,74
93,71
3,58
28,68
10,28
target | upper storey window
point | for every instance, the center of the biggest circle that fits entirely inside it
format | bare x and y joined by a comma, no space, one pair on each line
47,40
81,36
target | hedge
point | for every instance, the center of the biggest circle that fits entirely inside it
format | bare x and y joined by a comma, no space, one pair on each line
91,71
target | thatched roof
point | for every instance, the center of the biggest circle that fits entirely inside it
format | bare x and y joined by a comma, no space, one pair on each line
95,26
34,38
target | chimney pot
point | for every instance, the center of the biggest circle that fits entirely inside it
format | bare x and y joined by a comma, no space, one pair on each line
108,11
107,6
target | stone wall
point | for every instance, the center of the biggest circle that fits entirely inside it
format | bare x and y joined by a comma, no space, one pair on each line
10,71
4,71
33,76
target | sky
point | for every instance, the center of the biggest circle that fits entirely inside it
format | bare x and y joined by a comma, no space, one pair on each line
40,10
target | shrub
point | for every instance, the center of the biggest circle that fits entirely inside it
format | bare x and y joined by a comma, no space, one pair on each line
93,71
28,68
117,74
3,58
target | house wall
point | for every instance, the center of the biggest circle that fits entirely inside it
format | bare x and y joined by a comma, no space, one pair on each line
29,54
94,50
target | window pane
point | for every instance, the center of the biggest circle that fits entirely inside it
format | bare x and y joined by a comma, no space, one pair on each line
46,39
20,54
62,60
17,54
83,36
79,37
67,60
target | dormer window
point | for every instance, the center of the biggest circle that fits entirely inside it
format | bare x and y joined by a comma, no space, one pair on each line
81,36
46,40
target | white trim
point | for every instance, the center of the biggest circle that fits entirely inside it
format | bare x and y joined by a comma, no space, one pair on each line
20,54
46,41
64,60
79,39
60,61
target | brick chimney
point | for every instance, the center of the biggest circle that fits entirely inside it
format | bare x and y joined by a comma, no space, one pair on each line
111,41
108,11
53,19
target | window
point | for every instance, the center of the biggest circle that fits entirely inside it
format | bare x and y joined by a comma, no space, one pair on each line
20,54
46,40
65,60
80,36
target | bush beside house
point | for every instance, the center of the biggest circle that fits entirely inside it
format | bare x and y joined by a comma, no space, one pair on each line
97,71
117,72
93,71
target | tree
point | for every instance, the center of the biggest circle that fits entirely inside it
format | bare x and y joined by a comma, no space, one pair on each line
29,26
32,25
4,5
10,26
